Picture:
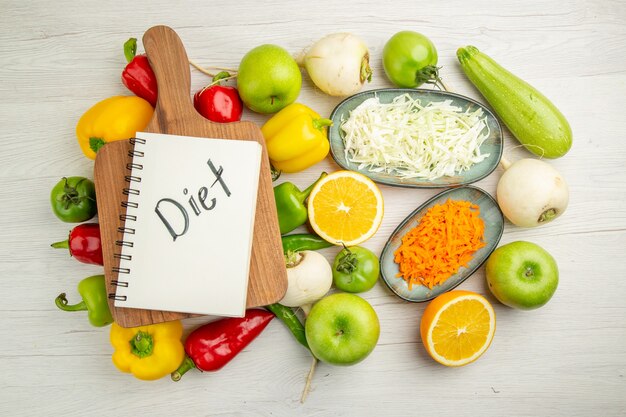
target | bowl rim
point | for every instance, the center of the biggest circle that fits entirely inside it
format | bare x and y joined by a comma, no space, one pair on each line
412,215
401,91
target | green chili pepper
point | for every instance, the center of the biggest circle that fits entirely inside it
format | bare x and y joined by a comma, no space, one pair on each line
94,294
303,241
290,205
287,316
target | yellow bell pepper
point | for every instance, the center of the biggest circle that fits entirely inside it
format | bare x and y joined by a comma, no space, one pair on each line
115,118
296,138
148,352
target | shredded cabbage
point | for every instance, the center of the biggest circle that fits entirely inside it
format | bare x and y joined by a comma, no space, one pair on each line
415,141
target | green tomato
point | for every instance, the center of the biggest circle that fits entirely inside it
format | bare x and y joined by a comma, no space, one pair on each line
355,269
410,59
73,199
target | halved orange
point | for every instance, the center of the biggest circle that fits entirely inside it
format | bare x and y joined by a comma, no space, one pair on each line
457,327
345,207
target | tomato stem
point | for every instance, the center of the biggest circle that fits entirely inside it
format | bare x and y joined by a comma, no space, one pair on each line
70,194
430,75
348,261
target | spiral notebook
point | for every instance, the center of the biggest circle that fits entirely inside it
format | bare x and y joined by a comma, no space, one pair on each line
189,223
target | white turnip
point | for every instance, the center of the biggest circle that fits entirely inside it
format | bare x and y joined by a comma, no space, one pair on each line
531,192
338,64
309,277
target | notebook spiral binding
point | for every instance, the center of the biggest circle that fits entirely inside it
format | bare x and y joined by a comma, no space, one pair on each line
124,229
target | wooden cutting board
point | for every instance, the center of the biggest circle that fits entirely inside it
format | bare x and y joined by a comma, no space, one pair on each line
175,114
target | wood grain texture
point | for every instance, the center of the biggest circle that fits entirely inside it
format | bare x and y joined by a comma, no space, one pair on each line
566,359
174,114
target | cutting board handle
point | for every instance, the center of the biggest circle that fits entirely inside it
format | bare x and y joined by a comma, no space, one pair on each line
170,64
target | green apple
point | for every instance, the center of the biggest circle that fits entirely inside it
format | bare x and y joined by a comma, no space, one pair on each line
268,79
522,275
342,329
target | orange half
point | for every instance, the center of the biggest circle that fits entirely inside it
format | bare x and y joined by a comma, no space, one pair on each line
457,327
345,207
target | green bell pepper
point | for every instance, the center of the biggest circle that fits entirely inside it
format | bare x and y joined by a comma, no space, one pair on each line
93,291
290,205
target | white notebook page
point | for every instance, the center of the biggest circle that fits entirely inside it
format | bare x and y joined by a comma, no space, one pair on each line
193,231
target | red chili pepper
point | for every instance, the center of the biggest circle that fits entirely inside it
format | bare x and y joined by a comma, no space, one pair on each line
84,243
213,345
138,76
219,103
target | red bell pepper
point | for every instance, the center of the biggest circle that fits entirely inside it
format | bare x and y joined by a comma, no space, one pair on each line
84,243
138,76
214,344
219,103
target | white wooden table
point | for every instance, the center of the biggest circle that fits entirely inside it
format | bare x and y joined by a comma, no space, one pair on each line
566,359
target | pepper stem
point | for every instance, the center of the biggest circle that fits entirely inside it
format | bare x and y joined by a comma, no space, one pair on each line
302,195
62,303
182,369
142,344
320,124
275,172
96,143
130,49
64,244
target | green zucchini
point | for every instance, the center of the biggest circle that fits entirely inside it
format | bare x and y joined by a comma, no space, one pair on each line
529,115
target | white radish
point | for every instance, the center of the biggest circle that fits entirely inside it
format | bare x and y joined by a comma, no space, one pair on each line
338,64
531,192
309,278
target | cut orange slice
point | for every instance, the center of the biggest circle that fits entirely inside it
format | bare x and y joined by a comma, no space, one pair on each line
457,327
345,207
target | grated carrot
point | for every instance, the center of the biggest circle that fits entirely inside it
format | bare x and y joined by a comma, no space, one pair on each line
444,241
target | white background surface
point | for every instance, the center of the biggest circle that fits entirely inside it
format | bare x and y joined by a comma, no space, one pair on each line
566,359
